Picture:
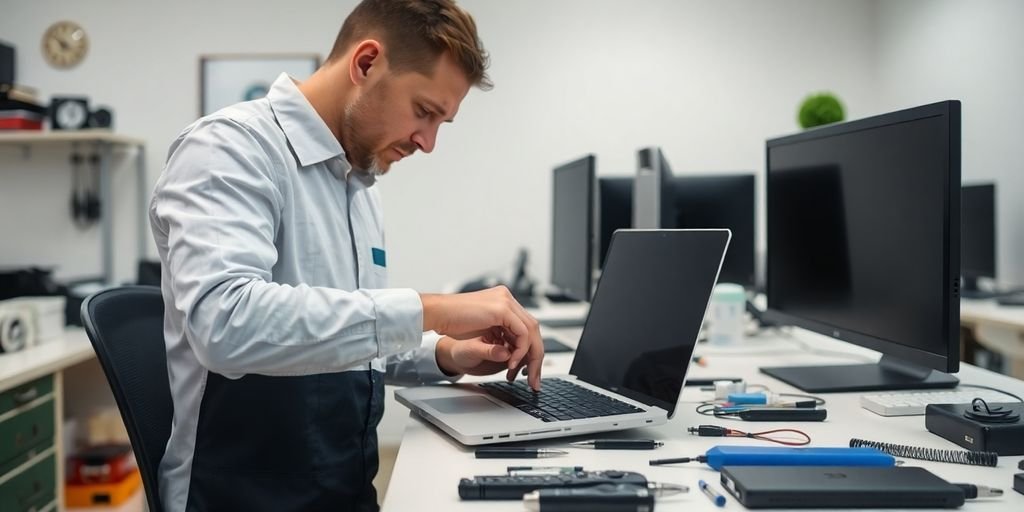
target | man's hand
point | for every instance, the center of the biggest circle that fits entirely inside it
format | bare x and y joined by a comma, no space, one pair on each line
483,355
488,319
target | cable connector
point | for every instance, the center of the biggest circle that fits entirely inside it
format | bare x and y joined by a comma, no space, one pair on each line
972,491
708,431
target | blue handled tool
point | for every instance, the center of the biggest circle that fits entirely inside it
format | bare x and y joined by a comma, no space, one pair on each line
719,456
747,398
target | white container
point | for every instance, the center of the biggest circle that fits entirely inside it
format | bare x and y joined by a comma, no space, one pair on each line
47,315
726,314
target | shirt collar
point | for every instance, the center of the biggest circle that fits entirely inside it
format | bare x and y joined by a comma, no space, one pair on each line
305,130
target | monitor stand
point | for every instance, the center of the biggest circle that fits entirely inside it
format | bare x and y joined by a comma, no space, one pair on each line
889,374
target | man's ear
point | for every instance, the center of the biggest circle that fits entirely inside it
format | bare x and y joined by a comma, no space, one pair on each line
367,55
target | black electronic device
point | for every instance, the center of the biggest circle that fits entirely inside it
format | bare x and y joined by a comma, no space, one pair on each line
7,57
782,414
26,282
863,232
616,205
69,112
978,237
101,118
148,273
513,487
521,285
839,487
1015,299
721,201
653,192
597,498
1018,482
572,233
992,427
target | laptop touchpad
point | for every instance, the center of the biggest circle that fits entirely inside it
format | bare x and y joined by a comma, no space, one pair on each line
462,404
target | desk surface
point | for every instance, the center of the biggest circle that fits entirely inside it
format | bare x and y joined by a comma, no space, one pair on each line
34,362
430,464
989,311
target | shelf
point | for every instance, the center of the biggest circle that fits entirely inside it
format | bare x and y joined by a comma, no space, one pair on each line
48,136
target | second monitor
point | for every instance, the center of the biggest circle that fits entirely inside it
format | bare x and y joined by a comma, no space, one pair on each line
572,234
695,202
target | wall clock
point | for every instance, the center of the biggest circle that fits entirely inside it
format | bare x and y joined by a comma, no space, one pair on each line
65,44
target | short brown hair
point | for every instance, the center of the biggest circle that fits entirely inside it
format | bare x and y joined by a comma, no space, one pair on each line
416,33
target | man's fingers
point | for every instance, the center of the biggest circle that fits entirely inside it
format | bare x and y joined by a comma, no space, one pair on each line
490,352
519,332
534,361
535,347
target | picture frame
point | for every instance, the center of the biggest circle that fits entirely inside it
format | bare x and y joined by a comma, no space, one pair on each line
226,79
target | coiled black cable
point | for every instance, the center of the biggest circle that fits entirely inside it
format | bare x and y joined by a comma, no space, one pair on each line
968,457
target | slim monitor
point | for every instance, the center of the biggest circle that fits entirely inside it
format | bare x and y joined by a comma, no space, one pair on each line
863,232
721,201
978,233
616,206
573,228
653,201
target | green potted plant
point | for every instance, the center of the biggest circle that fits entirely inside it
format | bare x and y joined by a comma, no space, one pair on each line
821,108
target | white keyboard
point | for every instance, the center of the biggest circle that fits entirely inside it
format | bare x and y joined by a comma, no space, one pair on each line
913,403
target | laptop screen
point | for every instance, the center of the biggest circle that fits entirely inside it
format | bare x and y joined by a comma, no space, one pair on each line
647,311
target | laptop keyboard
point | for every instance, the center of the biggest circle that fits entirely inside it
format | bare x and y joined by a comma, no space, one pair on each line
557,400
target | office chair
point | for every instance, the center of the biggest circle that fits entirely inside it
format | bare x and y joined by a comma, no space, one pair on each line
125,326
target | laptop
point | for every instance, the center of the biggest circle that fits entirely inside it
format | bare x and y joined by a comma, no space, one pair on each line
631,360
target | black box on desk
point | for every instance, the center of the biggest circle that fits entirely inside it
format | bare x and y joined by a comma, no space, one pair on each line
948,422
6,63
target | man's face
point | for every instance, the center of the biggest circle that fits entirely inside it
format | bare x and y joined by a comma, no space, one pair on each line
400,113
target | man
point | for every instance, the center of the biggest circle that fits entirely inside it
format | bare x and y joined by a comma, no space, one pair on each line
279,324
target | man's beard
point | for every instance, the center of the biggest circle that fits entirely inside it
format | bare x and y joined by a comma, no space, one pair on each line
360,147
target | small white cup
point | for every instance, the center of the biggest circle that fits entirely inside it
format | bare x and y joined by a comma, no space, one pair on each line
726,314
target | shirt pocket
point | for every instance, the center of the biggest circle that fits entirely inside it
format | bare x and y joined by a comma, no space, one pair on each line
378,268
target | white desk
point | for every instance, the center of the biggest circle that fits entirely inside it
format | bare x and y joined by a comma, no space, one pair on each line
998,328
430,464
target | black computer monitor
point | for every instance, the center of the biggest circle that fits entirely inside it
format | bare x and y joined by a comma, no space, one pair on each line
863,226
573,228
721,201
653,193
615,202
978,236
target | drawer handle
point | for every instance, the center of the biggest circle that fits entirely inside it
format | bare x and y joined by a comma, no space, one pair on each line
39,491
26,396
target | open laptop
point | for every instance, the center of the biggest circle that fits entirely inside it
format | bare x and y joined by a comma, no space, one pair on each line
631,360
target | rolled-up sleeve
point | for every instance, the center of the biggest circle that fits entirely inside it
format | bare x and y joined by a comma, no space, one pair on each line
217,208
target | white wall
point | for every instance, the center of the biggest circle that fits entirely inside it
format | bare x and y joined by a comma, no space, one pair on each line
707,81
931,50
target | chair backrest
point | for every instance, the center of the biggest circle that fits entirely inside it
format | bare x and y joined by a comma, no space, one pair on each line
125,326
